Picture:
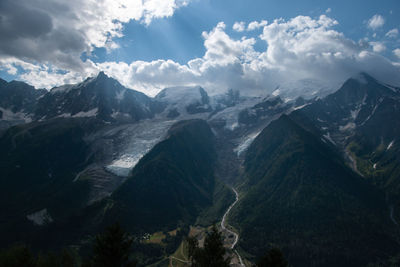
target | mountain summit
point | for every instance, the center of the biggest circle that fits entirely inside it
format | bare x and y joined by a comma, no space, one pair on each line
101,97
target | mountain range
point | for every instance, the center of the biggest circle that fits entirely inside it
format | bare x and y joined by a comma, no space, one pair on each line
316,177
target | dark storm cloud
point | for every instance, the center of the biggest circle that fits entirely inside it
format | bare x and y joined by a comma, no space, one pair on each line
17,20
28,32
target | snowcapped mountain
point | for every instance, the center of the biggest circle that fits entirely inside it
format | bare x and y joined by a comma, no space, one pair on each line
101,97
77,146
184,101
17,102
305,88
358,105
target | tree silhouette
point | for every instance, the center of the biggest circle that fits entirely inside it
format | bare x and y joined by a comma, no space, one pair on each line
17,256
212,255
192,246
274,258
111,249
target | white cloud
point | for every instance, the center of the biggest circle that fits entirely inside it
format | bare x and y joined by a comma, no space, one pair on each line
393,33
297,49
223,50
57,32
396,52
239,26
43,76
256,25
328,10
378,47
309,48
221,66
376,22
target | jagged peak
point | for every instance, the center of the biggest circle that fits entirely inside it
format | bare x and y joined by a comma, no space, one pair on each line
102,75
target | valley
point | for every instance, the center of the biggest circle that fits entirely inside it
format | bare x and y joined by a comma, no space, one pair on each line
313,177
225,228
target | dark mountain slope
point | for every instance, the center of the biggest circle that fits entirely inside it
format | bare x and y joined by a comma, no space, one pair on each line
38,164
18,96
38,153
300,197
170,187
363,120
17,103
173,182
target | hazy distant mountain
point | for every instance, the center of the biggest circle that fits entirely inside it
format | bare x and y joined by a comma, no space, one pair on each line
268,107
305,88
184,100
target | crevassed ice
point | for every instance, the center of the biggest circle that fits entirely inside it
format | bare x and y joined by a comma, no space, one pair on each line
142,137
246,143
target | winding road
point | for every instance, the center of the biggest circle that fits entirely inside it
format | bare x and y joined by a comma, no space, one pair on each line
224,228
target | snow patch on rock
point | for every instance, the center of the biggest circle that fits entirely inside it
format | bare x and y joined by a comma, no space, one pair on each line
8,115
41,217
302,106
390,145
348,126
120,95
81,114
90,113
354,113
328,137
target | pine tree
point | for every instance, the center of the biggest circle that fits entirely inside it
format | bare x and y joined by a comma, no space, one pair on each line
192,246
274,258
212,255
17,256
111,249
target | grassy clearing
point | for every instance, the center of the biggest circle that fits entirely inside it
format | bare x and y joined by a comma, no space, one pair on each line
156,238
173,232
180,256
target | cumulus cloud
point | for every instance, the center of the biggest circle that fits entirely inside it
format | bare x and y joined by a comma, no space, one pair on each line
256,25
239,26
378,47
57,32
376,22
221,49
221,67
396,52
393,33
300,48
304,47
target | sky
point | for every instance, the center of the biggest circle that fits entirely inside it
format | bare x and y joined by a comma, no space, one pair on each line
249,45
